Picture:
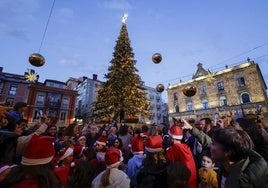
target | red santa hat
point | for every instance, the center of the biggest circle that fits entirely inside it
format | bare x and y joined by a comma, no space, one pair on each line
154,144
5,166
175,132
113,157
102,140
65,153
81,137
136,145
40,150
78,150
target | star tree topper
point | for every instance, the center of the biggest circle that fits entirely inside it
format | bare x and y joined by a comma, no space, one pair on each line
124,19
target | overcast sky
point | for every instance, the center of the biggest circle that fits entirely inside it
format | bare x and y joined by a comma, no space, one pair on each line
81,36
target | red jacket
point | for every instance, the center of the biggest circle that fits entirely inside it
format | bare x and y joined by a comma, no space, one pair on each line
29,183
182,153
63,174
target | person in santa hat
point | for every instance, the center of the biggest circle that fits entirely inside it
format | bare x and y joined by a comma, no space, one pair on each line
78,152
134,164
112,177
180,152
66,156
81,141
100,148
153,171
35,170
65,165
79,146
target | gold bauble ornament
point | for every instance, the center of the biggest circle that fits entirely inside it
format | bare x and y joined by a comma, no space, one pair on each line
157,58
160,88
37,60
189,90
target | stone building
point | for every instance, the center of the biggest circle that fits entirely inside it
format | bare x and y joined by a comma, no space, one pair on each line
234,91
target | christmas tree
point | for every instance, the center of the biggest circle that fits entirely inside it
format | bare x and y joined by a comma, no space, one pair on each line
122,93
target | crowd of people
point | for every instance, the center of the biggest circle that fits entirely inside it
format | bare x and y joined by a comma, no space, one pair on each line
188,153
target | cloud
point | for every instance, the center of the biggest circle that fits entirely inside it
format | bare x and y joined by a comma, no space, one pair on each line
116,5
14,32
64,15
17,10
15,16
70,62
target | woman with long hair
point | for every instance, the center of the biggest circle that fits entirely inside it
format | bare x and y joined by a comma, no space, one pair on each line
112,176
35,169
71,132
82,175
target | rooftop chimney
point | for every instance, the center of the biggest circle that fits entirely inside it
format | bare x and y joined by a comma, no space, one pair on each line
95,77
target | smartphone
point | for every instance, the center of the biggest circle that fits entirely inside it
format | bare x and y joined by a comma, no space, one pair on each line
259,108
41,113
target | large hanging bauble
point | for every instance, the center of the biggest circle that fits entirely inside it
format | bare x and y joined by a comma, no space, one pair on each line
189,90
157,58
160,88
37,60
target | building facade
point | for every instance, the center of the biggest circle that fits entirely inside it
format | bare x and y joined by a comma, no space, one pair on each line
156,107
87,90
13,88
233,91
52,99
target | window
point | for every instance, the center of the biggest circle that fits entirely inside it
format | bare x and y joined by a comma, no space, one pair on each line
176,108
245,98
1,86
202,90
36,114
241,82
65,102
223,101
9,102
54,99
52,113
220,86
175,96
205,104
40,100
12,90
189,106
62,116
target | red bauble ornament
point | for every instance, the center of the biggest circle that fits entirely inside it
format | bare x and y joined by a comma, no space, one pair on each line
157,58
160,88
189,90
37,60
